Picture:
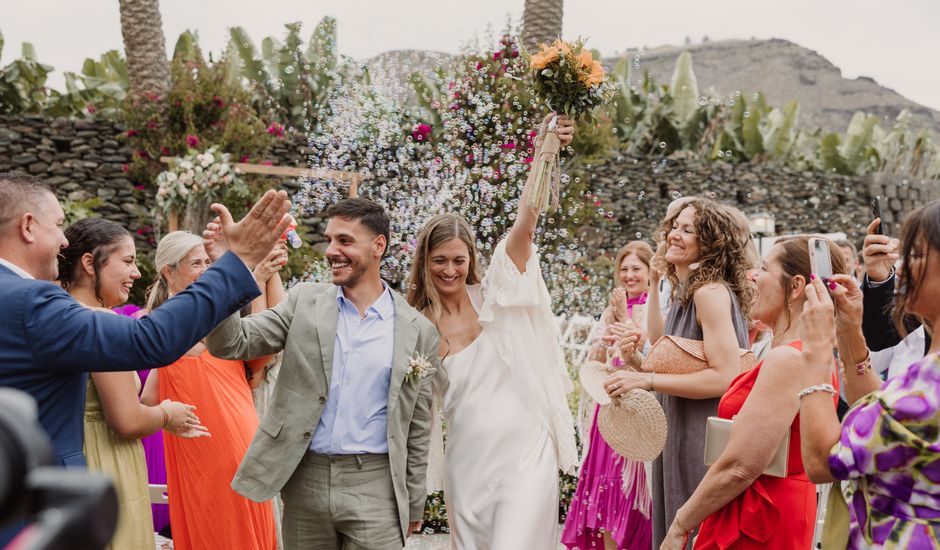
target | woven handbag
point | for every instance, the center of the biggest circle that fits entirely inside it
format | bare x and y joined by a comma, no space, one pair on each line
678,355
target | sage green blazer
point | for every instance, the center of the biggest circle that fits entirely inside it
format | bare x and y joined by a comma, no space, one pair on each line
304,327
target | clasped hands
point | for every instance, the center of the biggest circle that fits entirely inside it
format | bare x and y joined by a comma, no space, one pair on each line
624,339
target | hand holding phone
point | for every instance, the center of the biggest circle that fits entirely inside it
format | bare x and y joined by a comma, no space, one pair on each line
820,258
876,214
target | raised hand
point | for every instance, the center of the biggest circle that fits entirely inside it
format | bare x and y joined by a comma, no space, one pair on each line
274,261
213,239
618,304
817,326
252,238
564,128
880,252
847,298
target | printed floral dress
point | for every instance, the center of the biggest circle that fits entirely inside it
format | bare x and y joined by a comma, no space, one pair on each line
890,454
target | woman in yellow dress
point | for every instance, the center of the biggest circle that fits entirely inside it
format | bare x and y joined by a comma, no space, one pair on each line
98,269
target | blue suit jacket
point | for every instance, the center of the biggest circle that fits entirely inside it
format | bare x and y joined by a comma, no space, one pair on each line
49,342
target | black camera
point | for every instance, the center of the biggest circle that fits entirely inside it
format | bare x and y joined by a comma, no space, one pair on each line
55,508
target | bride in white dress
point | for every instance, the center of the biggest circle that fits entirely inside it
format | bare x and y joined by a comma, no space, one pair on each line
502,384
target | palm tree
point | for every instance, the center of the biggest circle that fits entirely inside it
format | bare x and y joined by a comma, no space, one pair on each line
147,66
541,22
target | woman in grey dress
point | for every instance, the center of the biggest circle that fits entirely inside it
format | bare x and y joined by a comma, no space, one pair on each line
707,257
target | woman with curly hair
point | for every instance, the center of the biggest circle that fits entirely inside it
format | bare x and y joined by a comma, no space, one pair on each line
704,255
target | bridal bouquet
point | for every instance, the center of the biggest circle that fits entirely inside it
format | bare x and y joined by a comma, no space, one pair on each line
569,81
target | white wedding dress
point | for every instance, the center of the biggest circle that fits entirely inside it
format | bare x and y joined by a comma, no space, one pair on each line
509,429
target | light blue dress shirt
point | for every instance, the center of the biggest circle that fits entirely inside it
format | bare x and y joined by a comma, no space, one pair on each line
355,418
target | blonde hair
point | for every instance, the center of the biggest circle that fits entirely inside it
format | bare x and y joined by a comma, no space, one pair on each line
641,249
171,250
438,230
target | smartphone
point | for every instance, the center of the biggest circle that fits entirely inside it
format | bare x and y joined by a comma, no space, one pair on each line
876,214
820,258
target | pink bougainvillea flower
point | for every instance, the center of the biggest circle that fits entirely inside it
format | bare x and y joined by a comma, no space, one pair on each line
421,132
143,154
192,141
124,168
132,133
217,101
527,160
90,108
276,129
151,124
164,151
243,159
267,163
509,145
139,187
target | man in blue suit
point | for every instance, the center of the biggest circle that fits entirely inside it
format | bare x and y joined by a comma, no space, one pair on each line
48,341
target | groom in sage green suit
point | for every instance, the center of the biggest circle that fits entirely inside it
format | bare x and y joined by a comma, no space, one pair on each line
345,440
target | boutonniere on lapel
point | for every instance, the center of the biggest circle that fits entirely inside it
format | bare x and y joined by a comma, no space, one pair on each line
418,368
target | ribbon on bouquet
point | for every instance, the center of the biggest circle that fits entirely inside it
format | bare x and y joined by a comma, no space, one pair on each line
544,181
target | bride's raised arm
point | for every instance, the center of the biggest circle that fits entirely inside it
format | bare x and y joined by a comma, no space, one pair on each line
522,234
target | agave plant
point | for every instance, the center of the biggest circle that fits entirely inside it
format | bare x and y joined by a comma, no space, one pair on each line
288,82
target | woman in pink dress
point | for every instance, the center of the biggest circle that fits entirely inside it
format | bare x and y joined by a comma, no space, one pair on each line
611,507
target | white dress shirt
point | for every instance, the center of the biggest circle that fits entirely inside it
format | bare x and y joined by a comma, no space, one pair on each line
16,269
355,417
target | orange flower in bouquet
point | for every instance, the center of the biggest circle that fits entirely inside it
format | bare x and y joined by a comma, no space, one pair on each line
569,81
568,78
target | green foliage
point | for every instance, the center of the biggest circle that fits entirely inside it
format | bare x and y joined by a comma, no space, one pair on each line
202,109
684,88
654,119
100,88
23,83
79,210
289,83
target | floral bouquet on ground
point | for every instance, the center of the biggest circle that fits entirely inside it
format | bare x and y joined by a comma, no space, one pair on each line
570,81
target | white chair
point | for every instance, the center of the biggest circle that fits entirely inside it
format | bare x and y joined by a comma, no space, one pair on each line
158,494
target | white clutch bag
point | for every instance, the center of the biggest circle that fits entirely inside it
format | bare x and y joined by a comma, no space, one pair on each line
717,433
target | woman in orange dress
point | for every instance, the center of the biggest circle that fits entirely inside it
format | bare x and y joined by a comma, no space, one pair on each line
204,510
736,505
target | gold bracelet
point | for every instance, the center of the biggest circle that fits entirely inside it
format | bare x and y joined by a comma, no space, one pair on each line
861,369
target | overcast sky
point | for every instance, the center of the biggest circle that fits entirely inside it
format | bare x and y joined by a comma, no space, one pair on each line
895,43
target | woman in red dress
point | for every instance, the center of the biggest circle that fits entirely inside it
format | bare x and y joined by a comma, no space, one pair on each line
736,505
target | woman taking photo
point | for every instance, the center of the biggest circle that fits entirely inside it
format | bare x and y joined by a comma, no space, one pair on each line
888,445
611,506
737,506
706,264
98,269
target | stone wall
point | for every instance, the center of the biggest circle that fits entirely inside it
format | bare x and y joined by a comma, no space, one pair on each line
631,195
82,159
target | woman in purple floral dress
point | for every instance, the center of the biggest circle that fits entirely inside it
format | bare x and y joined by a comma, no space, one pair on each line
888,446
